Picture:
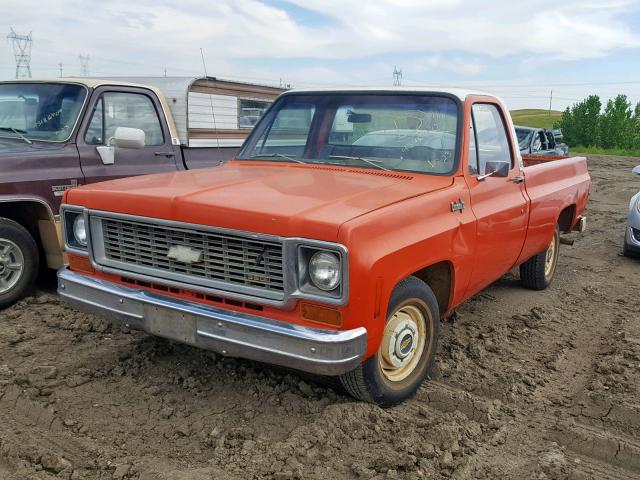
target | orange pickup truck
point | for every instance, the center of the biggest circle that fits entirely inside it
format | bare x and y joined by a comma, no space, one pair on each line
348,225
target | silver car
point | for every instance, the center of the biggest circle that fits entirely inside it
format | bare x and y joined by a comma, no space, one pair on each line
632,235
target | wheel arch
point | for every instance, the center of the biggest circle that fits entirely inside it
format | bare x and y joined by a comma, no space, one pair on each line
439,277
567,217
36,215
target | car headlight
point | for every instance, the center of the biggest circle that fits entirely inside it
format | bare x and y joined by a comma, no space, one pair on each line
638,204
325,270
80,230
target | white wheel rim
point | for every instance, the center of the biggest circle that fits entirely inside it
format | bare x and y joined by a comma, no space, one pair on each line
11,265
403,343
550,257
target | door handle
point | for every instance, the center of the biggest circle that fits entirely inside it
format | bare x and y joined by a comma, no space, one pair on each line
164,154
517,179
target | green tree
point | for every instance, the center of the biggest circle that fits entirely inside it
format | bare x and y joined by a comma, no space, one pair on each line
617,124
580,123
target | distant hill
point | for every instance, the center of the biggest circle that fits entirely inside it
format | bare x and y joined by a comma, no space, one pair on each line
535,117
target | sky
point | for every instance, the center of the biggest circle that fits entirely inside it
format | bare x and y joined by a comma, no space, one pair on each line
519,50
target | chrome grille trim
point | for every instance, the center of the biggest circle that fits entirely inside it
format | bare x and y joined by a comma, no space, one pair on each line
230,261
290,266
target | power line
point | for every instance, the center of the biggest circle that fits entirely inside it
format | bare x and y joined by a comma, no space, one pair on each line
22,53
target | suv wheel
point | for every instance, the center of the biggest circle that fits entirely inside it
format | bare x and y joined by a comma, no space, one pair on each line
19,261
407,350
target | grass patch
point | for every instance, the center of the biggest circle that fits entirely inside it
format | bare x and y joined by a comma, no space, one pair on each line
535,117
619,152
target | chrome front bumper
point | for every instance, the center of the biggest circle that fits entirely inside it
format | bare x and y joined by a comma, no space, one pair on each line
315,350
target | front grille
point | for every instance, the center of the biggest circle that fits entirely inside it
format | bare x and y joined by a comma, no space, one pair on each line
232,260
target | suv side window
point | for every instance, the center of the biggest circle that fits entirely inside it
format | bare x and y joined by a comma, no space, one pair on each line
491,136
124,109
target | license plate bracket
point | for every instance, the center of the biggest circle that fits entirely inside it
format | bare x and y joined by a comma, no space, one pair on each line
172,325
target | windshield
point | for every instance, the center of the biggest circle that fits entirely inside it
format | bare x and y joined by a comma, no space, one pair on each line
40,111
524,137
370,130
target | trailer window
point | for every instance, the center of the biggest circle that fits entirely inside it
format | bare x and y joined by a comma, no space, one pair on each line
250,111
124,109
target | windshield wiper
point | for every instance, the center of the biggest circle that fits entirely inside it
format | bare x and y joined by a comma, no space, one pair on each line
278,155
17,132
365,160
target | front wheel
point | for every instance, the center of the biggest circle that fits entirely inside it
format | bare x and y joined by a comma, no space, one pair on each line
407,351
537,272
18,262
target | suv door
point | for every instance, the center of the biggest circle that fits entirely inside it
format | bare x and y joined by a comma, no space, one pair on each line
498,203
114,107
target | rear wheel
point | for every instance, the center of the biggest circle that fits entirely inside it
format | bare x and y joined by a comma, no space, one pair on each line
407,350
537,272
19,261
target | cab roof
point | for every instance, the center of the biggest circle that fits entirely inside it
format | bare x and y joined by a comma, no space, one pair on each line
460,93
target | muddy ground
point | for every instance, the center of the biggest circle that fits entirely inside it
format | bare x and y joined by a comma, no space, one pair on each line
528,385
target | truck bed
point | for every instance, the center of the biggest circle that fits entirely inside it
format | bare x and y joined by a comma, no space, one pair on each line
552,182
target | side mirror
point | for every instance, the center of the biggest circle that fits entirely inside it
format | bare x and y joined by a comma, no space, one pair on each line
495,169
125,137
636,170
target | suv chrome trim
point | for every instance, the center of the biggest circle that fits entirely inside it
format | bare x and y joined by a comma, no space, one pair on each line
236,334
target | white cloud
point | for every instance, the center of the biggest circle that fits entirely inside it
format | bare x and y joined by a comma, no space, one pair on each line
458,38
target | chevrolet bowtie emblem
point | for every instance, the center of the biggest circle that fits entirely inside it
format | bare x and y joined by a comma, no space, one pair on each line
184,254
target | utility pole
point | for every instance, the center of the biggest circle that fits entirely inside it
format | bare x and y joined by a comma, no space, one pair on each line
84,65
550,101
22,53
397,77
60,67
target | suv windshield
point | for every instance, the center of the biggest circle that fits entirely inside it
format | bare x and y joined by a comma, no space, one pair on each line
40,111
416,132
524,137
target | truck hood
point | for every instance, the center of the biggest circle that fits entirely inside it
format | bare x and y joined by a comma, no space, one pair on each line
273,198
13,147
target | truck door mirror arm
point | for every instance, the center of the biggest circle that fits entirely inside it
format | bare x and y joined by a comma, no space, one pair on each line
495,169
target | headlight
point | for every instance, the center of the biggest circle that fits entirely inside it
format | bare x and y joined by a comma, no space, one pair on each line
324,270
80,230
638,204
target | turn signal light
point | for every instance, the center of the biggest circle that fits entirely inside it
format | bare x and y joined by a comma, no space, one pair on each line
325,315
80,263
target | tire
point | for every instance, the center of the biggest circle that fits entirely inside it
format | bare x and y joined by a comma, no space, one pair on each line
17,249
376,380
536,273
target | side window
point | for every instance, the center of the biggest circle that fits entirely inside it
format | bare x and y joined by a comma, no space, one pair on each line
491,136
250,111
95,131
473,151
120,109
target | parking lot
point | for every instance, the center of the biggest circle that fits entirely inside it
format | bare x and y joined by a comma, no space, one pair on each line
527,385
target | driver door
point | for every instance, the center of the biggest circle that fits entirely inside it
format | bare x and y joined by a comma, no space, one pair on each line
125,107
498,203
